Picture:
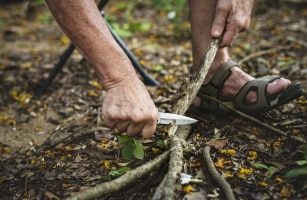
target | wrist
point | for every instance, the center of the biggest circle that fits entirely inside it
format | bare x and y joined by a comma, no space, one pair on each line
118,80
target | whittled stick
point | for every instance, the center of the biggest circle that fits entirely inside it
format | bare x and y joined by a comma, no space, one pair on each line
190,87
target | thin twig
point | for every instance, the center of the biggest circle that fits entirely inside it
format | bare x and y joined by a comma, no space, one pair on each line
260,53
299,139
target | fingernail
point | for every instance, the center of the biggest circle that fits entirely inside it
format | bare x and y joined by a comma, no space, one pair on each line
215,33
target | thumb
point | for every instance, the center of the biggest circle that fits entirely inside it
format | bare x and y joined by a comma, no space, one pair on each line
219,24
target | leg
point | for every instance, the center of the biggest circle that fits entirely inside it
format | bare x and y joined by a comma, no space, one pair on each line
202,13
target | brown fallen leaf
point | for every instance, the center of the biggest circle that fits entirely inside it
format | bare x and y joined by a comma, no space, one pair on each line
218,144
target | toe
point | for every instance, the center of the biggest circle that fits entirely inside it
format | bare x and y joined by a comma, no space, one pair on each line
278,86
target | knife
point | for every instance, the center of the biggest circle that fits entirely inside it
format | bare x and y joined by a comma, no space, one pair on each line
169,118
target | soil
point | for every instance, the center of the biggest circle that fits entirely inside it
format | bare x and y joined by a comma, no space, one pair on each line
34,168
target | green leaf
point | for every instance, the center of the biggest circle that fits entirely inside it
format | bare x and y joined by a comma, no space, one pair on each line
120,171
157,68
139,151
160,143
260,165
124,169
123,139
114,173
270,172
297,172
128,150
137,142
301,162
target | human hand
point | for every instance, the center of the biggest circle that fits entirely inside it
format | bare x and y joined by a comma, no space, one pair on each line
129,108
231,17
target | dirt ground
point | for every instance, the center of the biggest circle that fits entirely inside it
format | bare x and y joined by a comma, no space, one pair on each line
31,168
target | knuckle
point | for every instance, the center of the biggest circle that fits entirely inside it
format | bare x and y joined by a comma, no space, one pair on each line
136,117
222,8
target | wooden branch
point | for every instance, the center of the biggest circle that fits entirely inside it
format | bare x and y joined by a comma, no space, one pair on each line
166,189
228,193
190,87
187,93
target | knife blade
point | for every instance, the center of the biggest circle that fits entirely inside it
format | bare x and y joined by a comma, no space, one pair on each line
170,118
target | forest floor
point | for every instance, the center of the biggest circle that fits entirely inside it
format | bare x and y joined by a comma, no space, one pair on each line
254,159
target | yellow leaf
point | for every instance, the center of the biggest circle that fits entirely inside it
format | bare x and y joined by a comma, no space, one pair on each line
278,179
92,93
155,150
228,174
262,184
188,189
220,163
252,155
285,192
107,164
95,84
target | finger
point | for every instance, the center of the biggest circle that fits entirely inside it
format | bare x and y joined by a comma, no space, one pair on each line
110,123
219,22
122,126
148,130
134,129
246,25
228,38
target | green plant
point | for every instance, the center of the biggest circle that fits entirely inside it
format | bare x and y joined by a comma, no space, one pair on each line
271,170
131,148
302,169
119,171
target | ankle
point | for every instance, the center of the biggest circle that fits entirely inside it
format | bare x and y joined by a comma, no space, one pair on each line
221,57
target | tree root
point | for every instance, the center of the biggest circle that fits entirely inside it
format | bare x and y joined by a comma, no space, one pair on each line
166,189
227,190
124,180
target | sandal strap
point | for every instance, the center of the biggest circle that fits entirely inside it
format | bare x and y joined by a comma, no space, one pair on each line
259,86
222,74
215,85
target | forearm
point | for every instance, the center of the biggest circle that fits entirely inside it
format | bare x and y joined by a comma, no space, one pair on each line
82,22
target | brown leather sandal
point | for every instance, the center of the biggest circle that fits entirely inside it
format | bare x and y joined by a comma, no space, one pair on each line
264,102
